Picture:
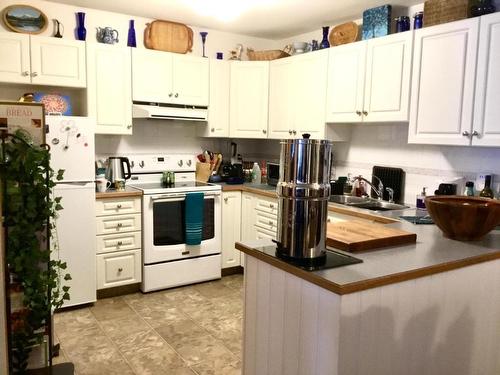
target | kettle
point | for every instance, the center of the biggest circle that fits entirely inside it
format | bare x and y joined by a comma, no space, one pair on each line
116,171
107,35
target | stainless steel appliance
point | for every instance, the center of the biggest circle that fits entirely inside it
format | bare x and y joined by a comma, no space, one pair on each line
115,170
167,260
273,173
303,191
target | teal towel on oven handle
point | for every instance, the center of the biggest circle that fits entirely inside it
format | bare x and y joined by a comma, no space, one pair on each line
193,217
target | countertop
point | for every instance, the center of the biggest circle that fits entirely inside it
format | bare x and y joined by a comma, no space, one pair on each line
432,253
111,193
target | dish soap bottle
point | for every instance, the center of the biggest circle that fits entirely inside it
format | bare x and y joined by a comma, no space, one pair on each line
469,189
487,192
256,176
421,199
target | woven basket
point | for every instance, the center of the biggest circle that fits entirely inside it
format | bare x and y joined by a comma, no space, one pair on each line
442,11
265,55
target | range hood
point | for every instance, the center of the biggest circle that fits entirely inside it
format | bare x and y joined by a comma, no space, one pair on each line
163,111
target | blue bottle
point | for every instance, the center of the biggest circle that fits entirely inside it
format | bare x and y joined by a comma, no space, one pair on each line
418,20
325,43
81,32
131,42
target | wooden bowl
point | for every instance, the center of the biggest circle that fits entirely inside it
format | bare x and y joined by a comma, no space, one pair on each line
464,218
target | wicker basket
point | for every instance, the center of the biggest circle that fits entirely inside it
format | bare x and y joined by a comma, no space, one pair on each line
442,11
265,55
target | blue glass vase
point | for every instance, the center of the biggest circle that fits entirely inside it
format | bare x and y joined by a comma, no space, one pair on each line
81,32
131,42
203,40
325,43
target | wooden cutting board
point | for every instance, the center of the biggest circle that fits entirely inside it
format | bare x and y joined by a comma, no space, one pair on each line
352,235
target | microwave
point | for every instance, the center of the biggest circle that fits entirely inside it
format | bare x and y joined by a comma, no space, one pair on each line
273,173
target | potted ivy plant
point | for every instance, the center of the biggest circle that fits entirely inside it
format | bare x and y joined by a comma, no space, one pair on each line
29,211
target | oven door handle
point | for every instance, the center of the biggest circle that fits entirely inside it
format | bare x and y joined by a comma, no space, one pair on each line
177,196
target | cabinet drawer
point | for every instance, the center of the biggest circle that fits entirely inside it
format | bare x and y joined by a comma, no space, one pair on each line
265,234
118,206
118,242
266,221
267,205
118,224
116,269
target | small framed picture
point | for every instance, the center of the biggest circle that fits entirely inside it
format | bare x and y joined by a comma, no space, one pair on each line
24,19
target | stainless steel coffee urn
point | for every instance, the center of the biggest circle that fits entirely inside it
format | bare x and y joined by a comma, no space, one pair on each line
303,191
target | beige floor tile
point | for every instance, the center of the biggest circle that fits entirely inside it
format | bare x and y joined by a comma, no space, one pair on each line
233,281
158,315
120,328
223,365
149,354
181,332
214,289
202,349
74,322
111,308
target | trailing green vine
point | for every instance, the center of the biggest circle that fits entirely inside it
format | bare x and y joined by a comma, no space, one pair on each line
28,209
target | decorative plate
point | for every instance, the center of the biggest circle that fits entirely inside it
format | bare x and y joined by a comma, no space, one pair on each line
54,103
24,19
344,33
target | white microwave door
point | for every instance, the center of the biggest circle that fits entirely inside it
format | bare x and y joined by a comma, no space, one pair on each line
71,141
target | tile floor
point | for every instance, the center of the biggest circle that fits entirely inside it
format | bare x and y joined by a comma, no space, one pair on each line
189,330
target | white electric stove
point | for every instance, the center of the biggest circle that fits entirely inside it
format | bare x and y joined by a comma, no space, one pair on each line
167,261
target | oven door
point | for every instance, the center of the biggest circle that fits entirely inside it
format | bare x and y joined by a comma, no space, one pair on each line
164,228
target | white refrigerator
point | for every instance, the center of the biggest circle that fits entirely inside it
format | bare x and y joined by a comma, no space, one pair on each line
71,141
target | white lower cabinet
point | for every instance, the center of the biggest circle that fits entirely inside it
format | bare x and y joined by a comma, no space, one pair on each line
119,260
259,217
231,228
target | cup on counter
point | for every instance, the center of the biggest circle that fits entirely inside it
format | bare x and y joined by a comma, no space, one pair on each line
101,184
119,185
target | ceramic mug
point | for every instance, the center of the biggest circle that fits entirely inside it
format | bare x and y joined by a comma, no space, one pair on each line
120,185
102,185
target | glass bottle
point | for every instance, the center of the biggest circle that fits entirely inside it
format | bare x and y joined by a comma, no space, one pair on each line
469,189
81,31
131,42
482,7
487,192
418,20
325,43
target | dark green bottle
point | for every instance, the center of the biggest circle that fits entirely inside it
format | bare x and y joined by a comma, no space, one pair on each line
487,192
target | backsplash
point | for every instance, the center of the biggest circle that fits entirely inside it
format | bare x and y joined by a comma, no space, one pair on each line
425,165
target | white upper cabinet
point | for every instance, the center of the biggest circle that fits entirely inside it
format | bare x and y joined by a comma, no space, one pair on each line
249,99
443,83
281,98
164,77
42,60
486,126
297,96
190,80
346,77
218,107
151,76
109,93
58,62
388,75
15,58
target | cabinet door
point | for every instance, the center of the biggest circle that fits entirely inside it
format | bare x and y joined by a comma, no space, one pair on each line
248,217
310,94
281,98
190,80
346,80
58,62
249,99
15,58
110,88
487,102
218,108
151,76
231,228
443,83
387,84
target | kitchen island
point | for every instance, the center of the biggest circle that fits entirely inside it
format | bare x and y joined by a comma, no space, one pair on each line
432,307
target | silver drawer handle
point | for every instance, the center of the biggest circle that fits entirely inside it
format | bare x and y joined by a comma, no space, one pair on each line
118,206
25,73
119,225
34,74
119,243
271,205
120,269
270,223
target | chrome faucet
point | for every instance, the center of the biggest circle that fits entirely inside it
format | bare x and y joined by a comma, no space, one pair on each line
379,191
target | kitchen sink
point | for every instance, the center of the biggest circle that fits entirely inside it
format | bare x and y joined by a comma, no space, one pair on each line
366,203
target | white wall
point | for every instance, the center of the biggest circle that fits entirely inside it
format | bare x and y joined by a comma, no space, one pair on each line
216,41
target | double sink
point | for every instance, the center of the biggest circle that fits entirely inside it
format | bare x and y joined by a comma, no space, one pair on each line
366,203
